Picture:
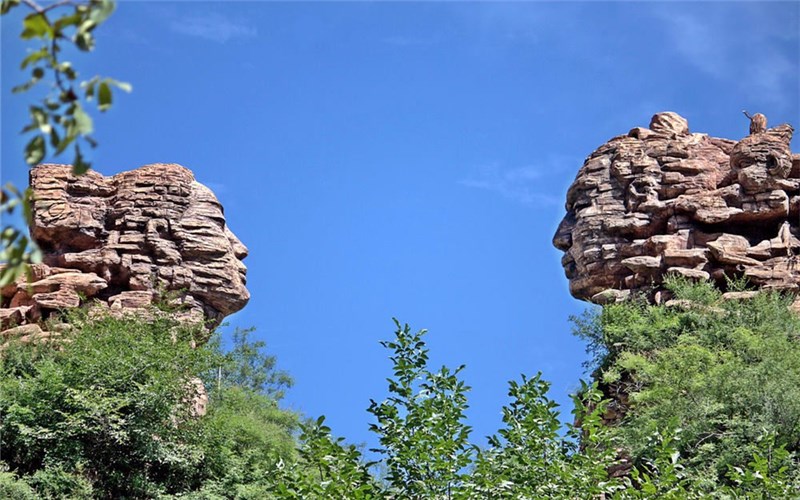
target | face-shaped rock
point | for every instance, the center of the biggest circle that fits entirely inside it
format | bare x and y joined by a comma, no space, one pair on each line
663,200
144,232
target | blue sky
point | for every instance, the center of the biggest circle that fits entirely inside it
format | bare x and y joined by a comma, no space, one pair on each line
411,159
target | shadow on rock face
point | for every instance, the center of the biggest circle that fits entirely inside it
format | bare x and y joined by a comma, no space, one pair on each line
126,241
662,200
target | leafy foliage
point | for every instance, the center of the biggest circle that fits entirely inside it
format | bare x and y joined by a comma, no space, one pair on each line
529,457
421,426
16,252
109,411
726,372
246,366
58,120
327,468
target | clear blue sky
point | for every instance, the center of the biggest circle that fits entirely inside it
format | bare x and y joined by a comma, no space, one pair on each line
411,159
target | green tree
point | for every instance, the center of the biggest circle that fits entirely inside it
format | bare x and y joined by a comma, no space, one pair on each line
421,425
245,365
109,412
532,456
326,468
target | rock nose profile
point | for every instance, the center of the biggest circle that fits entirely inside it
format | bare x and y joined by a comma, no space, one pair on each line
663,200
122,241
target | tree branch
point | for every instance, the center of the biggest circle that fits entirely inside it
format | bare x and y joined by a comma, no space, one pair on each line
33,5
42,10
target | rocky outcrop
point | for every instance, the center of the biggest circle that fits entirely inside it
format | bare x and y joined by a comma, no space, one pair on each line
122,242
662,200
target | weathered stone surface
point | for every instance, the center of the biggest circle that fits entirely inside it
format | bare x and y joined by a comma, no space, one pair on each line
63,298
23,331
121,242
670,123
12,316
664,200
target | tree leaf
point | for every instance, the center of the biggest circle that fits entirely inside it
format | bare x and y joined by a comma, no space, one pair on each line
84,41
66,68
79,166
89,87
36,26
69,20
54,138
102,12
124,86
104,96
34,57
66,141
83,122
35,150
7,5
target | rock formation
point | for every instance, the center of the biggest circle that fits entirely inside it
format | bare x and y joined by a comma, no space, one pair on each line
662,200
123,242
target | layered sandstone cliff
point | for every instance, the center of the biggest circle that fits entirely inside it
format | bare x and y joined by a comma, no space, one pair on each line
123,242
662,200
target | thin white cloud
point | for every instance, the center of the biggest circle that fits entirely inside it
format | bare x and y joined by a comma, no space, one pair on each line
743,44
407,41
214,27
218,188
518,184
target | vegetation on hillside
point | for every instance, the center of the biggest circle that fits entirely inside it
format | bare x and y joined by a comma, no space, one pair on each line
724,372
108,412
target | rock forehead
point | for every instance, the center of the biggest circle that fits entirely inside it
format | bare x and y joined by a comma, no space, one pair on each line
125,240
663,200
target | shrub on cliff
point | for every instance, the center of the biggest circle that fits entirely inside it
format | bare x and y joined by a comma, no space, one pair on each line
108,412
726,372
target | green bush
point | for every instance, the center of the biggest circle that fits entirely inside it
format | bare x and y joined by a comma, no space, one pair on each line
108,412
726,372
13,488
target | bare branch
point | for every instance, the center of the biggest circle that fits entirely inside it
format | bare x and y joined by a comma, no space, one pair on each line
42,10
33,5
59,4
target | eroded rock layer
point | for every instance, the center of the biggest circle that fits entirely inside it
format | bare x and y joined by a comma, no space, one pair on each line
663,200
122,242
